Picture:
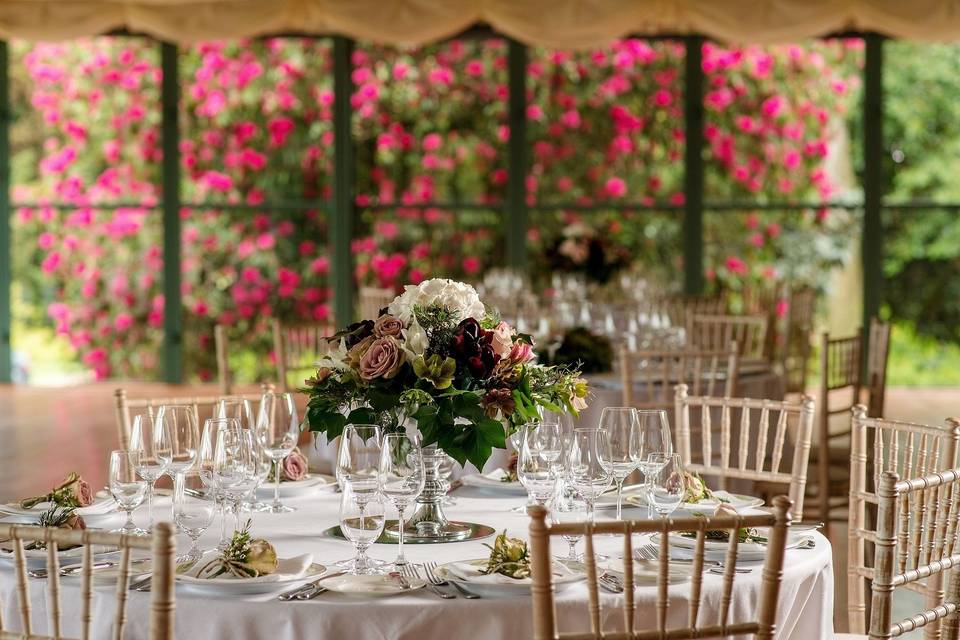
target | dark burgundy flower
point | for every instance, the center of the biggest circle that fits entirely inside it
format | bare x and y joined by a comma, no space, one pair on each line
356,332
473,346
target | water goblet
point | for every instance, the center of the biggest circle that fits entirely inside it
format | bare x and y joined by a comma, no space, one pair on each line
536,471
667,488
151,438
235,466
358,459
206,462
654,438
241,410
181,424
623,431
362,517
127,487
193,508
278,430
586,470
401,477
570,508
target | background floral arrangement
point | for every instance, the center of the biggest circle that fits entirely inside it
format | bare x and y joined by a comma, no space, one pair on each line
430,125
438,358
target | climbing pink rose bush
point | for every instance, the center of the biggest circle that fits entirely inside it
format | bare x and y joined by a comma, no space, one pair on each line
605,127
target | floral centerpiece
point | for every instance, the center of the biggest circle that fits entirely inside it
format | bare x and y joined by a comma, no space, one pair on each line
438,358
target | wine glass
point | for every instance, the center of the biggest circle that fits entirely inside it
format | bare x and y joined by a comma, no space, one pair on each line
570,508
536,471
193,509
181,423
401,477
548,437
586,471
623,431
235,466
278,430
654,438
206,462
151,438
358,459
127,486
361,522
241,410
667,488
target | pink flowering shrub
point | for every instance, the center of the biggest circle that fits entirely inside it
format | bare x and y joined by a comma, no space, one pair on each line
430,126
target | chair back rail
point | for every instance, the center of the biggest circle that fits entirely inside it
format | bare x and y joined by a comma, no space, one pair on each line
648,377
160,544
717,332
297,347
760,450
926,527
200,404
372,299
764,626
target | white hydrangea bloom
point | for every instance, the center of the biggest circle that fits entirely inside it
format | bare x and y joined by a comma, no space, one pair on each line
455,296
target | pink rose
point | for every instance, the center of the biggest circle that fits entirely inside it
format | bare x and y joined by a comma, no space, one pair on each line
295,466
502,339
387,325
82,493
520,353
356,352
382,360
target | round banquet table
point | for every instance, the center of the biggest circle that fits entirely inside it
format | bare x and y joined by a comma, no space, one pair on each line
804,610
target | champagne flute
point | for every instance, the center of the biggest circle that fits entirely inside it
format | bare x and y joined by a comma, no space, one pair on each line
586,471
181,423
361,522
193,509
667,488
358,459
401,477
127,486
654,438
151,438
278,430
206,461
235,466
536,471
623,431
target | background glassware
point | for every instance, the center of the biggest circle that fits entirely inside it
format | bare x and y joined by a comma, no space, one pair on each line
278,429
569,507
358,459
585,471
193,508
127,487
181,423
151,438
667,488
362,518
206,462
235,467
241,410
401,477
655,438
536,472
623,431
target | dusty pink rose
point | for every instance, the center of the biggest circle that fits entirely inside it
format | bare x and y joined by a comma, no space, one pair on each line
382,360
520,353
356,352
502,339
294,466
82,493
387,325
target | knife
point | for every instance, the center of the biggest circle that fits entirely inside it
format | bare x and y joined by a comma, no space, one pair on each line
293,594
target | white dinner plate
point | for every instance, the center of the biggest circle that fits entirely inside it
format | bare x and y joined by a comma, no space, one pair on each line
646,572
222,586
493,484
735,500
716,550
37,558
467,573
374,585
297,488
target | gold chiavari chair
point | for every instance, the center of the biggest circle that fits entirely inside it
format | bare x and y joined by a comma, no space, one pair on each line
677,309
648,377
794,344
372,299
203,407
161,544
699,624
296,348
716,332
760,455
924,528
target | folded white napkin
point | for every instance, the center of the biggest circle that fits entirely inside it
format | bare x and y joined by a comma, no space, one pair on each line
99,507
287,569
496,475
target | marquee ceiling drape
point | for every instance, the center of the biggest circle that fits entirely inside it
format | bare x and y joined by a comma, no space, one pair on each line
553,23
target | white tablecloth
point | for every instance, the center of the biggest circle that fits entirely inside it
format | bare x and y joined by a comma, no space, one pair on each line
805,604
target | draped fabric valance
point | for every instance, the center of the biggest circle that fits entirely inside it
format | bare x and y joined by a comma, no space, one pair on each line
554,23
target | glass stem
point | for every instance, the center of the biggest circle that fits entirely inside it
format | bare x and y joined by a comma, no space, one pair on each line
620,498
150,487
236,512
572,552
130,525
276,483
223,522
400,558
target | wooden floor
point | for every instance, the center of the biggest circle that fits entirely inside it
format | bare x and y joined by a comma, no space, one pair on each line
46,432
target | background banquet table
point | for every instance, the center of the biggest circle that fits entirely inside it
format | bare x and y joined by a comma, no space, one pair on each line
804,611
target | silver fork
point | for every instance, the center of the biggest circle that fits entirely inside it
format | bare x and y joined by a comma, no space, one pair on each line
430,585
651,552
431,569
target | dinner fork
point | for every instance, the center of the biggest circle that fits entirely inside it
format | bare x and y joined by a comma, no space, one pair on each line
430,585
652,553
431,570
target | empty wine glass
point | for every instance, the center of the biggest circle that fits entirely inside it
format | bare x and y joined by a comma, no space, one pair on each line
127,486
151,438
361,522
358,459
181,424
586,471
536,472
206,461
623,431
548,436
193,509
235,466
667,488
570,508
654,438
401,477
241,410
278,429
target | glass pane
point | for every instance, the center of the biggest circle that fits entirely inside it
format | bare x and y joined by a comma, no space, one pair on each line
257,121
607,125
776,127
242,269
430,123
